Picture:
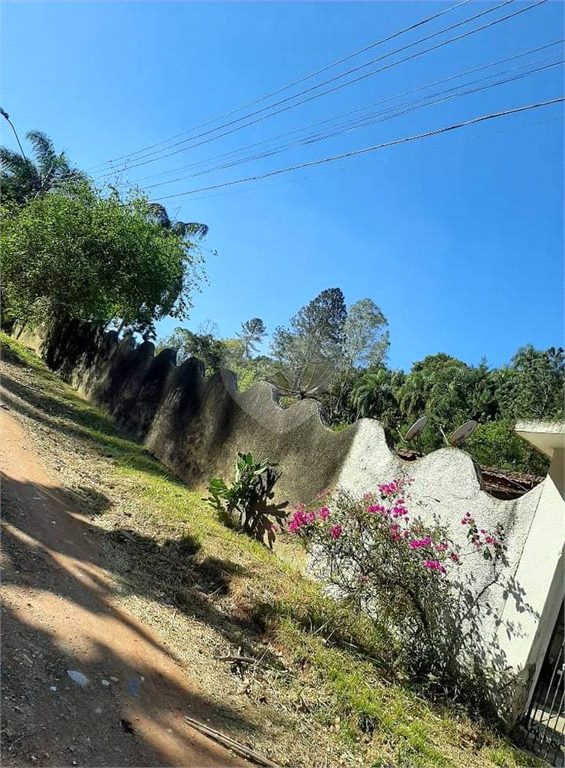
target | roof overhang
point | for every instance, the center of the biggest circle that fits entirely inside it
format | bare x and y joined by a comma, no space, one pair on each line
545,436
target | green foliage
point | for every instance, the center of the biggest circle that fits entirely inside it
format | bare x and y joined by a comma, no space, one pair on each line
247,494
23,180
366,336
495,444
251,335
532,386
204,346
381,561
95,258
311,348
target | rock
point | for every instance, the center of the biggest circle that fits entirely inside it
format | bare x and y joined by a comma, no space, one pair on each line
78,677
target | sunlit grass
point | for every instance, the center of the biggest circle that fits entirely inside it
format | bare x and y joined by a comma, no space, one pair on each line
339,660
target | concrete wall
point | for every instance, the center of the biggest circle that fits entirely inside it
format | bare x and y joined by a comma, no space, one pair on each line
196,425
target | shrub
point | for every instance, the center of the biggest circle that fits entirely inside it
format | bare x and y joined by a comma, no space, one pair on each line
247,495
379,559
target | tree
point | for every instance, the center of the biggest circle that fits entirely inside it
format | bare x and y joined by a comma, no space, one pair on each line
366,335
95,258
532,386
251,335
24,180
204,346
184,229
309,352
373,396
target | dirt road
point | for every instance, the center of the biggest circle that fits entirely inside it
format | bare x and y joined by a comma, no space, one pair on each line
126,705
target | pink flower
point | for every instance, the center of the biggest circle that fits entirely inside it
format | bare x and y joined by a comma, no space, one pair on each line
336,531
376,508
455,557
434,565
324,512
416,543
300,519
441,547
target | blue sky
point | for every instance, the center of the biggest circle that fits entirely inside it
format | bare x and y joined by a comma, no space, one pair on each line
458,238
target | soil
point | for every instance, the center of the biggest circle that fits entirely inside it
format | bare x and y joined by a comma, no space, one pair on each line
58,616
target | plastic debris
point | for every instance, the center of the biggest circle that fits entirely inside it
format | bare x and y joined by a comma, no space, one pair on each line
105,682
53,688
78,677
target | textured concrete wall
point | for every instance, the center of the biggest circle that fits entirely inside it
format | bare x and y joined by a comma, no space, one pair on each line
196,425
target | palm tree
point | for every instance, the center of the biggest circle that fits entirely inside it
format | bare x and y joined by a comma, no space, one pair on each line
22,179
184,229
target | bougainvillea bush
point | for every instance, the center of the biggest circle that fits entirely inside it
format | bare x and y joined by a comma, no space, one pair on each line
381,559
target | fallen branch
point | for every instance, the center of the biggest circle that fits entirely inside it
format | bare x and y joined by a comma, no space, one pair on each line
230,743
243,659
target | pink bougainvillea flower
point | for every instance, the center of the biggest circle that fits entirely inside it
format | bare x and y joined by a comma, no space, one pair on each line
416,543
455,557
434,565
376,508
324,512
441,547
336,531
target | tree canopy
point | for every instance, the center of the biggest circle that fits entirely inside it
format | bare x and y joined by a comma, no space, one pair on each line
24,180
96,258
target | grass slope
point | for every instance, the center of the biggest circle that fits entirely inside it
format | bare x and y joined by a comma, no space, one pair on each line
319,696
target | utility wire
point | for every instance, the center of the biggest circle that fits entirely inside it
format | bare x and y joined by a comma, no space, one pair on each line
402,109
359,109
325,171
410,28
333,79
366,150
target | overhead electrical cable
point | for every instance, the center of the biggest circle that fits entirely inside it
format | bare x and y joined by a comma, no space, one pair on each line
303,79
365,150
357,110
389,113
341,85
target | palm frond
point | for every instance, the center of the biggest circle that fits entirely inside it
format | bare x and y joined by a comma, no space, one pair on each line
43,150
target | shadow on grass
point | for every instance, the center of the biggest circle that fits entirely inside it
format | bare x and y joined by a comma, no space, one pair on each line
63,566
80,421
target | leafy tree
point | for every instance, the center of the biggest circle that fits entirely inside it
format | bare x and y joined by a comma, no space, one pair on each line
94,258
495,444
204,346
310,350
159,213
251,335
373,396
24,180
366,335
532,386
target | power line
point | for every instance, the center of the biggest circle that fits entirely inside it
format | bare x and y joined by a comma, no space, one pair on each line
369,120
365,150
295,82
333,79
359,109
317,173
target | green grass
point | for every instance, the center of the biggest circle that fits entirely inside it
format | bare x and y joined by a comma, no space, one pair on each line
340,673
